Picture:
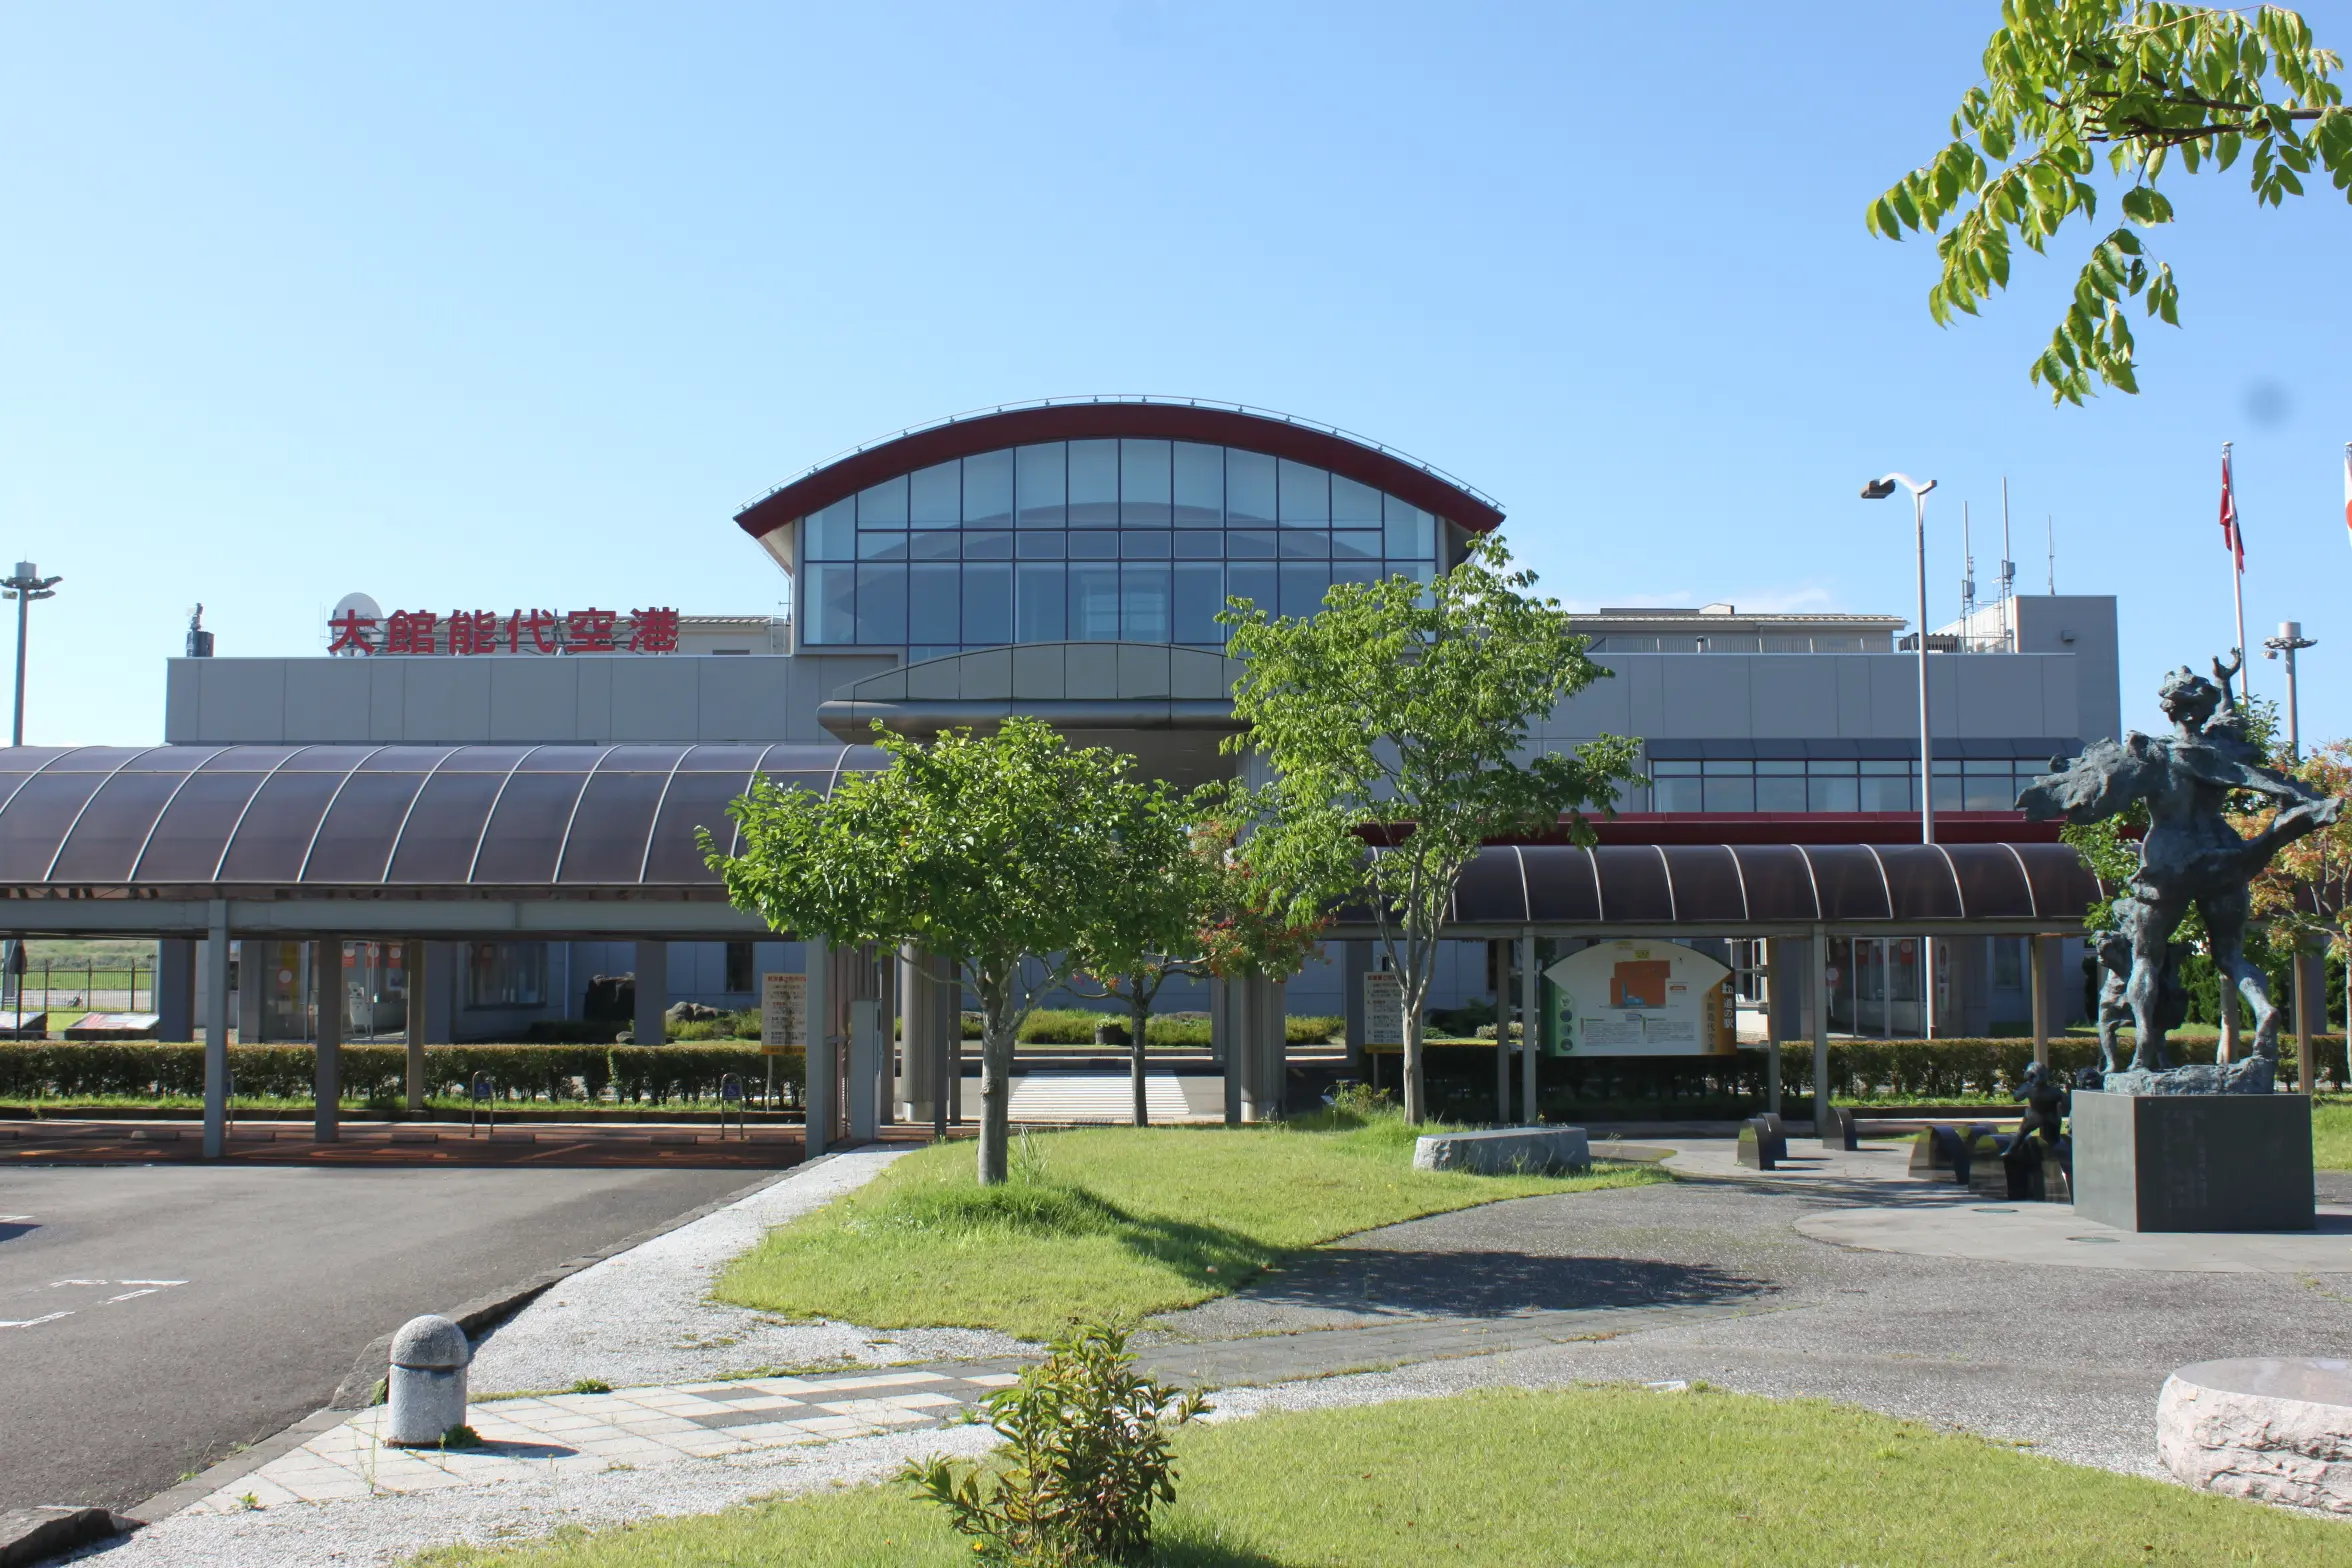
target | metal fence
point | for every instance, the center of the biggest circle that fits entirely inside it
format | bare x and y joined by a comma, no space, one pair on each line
50,986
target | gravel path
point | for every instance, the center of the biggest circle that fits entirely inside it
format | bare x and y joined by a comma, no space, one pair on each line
646,1316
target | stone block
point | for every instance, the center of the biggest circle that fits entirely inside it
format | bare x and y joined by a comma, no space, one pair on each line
1504,1151
2193,1162
2278,1430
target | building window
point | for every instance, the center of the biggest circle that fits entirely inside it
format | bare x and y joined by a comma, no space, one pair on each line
739,967
1835,784
506,974
867,576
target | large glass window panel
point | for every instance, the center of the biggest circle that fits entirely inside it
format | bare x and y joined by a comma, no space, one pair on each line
1412,533
1094,547
1094,603
1725,793
934,595
1833,792
1094,483
1043,603
884,504
831,535
1355,571
988,490
1306,494
1304,544
1989,785
830,604
1886,786
1040,546
1249,487
504,974
941,546
1200,483
1200,544
1355,545
1352,502
1143,602
988,604
988,546
1950,793
1780,785
1146,544
1199,595
882,605
935,496
1250,544
1143,483
1303,587
1256,582
1041,488
881,547
1668,793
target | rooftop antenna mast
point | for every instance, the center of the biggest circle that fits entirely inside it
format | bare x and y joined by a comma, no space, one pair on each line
2050,542
2008,577
1967,576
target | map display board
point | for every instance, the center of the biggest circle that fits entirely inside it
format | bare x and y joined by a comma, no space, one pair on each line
1384,1008
1638,998
783,1013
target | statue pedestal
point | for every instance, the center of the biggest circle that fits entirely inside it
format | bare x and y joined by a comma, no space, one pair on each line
2209,1162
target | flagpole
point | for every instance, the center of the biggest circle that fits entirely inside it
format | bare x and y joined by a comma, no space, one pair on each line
2237,544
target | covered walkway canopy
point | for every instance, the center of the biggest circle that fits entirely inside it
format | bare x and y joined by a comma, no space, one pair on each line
570,840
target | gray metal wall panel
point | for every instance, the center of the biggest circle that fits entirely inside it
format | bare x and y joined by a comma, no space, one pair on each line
593,683
387,698
447,700
183,702
1794,695
326,699
1707,694
533,701
653,699
735,699
243,700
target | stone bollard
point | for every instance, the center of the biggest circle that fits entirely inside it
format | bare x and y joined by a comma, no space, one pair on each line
427,1382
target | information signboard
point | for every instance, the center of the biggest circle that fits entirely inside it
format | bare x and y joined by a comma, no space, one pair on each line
783,1013
1384,1008
1638,998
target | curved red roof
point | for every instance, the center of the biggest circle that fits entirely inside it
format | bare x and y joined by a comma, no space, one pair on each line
1096,418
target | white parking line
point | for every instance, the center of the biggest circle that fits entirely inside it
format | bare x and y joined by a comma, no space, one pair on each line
35,1322
140,1287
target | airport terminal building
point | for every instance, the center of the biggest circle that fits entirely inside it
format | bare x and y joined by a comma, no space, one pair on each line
496,805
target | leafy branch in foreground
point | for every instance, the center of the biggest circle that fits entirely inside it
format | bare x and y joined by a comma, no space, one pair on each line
1087,1459
2145,82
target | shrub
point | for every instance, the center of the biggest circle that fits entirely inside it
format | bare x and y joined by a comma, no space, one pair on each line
378,1074
1075,1026
1088,1441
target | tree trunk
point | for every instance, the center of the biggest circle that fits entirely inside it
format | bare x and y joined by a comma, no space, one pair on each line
1139,1009
1000,1025
1416,1088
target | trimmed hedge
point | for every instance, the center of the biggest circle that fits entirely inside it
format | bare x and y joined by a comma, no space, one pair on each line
1461,1077
1075,1026
378,1074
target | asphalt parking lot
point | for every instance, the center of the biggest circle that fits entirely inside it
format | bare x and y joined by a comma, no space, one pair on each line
154,1318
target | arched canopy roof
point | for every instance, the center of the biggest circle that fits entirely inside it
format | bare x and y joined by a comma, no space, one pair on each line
1096,418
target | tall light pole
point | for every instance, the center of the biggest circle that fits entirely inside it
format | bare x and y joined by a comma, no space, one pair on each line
2289,641
27,585
1879,490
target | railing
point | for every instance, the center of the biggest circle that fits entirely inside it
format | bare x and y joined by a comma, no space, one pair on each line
1431,469
99,988
1958,642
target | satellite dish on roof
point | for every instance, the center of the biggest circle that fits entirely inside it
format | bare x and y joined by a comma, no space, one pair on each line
369,612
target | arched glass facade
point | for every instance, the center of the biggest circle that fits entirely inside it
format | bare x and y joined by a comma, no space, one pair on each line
1103,540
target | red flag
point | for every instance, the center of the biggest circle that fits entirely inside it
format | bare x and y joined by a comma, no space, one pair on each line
2231,539
2348,486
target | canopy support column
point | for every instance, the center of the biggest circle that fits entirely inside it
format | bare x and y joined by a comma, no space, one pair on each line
653,992
1817,982
1530,994
216,1031
413,963
326,966
820,1095
2037,951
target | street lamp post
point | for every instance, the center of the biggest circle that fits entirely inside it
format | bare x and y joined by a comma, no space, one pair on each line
1879,490
2289,641
27,585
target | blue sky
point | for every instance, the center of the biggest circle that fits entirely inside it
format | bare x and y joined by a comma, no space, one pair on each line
504,303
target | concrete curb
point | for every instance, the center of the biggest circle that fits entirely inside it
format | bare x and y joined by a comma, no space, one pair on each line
27,1535
358,1387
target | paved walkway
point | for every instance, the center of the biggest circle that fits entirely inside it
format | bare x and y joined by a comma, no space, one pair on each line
587,1145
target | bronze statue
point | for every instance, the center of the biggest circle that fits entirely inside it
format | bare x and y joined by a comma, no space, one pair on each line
2112,951
2190,856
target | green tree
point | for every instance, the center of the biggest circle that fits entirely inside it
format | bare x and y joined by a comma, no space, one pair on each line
997,852
2145,82
1147,927
1400,712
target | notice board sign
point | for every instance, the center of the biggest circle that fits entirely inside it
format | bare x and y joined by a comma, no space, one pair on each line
783,1014
1384,1008
1638,998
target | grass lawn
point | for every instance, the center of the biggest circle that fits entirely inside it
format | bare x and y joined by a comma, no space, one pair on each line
2331,1133
1590,1476
1112,1225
